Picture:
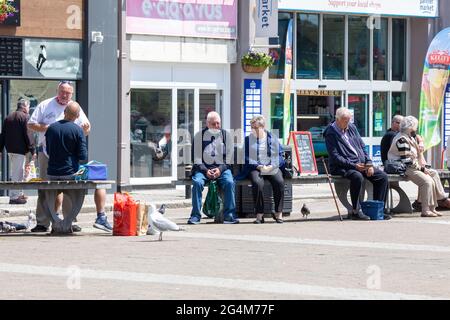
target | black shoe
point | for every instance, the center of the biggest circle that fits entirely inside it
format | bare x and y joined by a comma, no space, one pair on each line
359,216
417,206
39,228
76,228
259,221
17,201
387,217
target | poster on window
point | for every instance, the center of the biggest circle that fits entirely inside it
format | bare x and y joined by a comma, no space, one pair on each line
186,18
54,59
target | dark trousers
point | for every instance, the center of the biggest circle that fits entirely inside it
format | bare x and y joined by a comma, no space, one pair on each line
379,180
277,182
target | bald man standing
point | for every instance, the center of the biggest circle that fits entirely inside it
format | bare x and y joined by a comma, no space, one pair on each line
66,145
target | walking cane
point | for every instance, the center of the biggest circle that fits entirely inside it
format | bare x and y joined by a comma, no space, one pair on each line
331,187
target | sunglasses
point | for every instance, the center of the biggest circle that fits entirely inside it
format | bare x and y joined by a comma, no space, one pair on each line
65,82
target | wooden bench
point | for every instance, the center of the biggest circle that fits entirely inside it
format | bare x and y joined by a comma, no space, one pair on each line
74,193
342,187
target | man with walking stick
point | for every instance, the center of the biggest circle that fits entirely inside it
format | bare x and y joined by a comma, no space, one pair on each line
348,158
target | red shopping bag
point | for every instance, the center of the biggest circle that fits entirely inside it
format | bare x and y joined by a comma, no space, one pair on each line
124,215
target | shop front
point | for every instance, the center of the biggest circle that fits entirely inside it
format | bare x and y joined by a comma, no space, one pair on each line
177,75
346,55
32,62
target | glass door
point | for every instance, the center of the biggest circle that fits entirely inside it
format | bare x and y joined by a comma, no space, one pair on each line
209,100
2,116
358,104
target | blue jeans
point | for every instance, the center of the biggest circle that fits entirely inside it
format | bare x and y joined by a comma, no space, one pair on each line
226,183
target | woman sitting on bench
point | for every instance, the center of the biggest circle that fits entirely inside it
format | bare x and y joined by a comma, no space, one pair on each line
405,148
264,161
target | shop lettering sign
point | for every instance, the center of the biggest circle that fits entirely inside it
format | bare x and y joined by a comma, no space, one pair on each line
319,93
188,18
266,18
419,8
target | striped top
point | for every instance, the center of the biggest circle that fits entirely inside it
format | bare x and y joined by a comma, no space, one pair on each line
404,147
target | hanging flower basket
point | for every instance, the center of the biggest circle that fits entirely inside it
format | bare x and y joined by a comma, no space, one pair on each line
256,62
253,69
6,10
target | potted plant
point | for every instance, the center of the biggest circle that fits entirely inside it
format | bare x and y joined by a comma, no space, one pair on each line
6,10
256,62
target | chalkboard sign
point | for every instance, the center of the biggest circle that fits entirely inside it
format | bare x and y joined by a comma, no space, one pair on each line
11,57
304,152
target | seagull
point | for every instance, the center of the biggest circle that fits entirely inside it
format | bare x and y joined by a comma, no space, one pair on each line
305,211
158,223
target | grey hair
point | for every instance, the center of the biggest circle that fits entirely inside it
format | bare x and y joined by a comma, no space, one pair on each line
212,115
259,120
408,122
23,103
397,117
343,112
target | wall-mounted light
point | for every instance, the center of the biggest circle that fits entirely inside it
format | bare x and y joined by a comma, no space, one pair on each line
97,37
322,86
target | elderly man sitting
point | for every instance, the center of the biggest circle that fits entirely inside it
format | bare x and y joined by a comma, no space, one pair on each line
348,158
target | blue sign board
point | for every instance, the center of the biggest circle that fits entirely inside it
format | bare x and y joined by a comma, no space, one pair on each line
376,156
252,102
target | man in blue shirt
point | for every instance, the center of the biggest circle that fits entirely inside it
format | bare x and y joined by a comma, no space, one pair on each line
66,145
348,158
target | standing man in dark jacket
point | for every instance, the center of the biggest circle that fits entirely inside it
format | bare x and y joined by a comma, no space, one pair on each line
212,149
15,139
348,158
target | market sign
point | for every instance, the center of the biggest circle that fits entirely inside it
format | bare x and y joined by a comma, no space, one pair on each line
185,18
319,93
409,8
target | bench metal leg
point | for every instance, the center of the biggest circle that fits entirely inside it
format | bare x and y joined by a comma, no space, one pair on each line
73,201
404,205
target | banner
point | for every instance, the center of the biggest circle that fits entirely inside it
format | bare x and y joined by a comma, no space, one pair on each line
408,8
287,84
434,83
266,19
184,18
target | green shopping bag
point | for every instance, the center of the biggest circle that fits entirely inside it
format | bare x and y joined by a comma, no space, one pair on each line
213,206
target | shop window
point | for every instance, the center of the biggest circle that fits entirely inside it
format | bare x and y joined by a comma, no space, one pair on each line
358,104
151,119
277,70
358,48
398,103
380,49
307,46
333,46
379,114
399,49
277,113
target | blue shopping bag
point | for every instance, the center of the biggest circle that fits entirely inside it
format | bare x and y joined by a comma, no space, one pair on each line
93,170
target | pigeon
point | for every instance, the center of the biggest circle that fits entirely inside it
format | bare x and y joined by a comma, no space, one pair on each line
305,211
160,224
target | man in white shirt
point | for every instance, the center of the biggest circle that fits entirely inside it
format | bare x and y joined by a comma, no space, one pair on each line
47,113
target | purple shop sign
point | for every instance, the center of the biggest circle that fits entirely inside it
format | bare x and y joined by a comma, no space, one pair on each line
187,18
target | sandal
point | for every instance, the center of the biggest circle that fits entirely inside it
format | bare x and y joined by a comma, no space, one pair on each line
437,213
259,221
428,214
278,220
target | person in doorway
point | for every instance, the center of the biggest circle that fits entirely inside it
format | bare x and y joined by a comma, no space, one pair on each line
15,138
210,149
348,158
41,58
47,113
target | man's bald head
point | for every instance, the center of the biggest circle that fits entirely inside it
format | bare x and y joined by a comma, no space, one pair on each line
72,111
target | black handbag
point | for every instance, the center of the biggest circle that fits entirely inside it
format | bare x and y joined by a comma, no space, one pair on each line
395,167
